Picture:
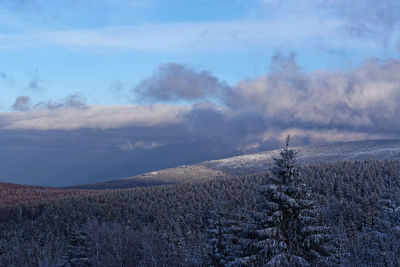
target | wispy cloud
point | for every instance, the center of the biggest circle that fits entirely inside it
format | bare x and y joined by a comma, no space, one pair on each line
35,82
146,145
369,18
74,101
174,37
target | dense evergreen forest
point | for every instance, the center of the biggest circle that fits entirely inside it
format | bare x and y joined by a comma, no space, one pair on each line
330,214
15,194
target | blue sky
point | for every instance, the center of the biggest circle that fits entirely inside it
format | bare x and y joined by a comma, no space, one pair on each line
87,46
158,83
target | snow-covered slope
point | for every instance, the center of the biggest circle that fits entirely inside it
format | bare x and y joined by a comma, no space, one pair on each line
260,162
358,150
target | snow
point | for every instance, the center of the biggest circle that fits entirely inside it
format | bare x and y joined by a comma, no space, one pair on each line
262,161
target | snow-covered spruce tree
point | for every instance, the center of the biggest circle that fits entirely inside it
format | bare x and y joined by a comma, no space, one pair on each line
216,245
226,237
77,251
381,241
287,232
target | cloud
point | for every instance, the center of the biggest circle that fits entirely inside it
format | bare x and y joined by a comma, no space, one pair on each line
35,83
309,136
172,82
363,20
362,100
22,103
225,126
73,101
92,117
318,106
128,145
368,18
178,37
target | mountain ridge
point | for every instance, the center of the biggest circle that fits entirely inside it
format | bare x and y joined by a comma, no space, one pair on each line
256,163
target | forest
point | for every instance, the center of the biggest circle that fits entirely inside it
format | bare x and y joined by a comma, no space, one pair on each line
329,214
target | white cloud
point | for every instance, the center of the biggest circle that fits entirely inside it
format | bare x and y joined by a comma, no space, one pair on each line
319,136
365,98
99,117
128,145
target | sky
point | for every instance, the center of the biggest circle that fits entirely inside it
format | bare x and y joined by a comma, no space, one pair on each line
93,90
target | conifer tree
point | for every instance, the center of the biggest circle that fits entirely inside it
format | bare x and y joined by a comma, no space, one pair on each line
216,256
77,251
287,230
385,235
226,237
382,239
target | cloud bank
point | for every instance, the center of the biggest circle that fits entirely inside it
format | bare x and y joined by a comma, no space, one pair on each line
324,105
92,117
364,99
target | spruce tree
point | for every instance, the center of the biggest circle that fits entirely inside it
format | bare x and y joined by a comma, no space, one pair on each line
77,251
226,237
287,229
216,245
381,240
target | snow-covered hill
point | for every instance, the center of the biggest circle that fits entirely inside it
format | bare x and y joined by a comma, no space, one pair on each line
260,162
358,150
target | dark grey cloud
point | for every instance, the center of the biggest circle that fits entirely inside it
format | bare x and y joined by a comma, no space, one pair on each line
74,101
284,64
173,81
22,103
240,130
